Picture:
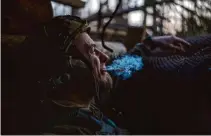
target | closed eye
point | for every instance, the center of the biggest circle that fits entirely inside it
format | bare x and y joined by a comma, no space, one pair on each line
93,48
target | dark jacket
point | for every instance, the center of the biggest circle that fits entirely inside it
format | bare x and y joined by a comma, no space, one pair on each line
80,121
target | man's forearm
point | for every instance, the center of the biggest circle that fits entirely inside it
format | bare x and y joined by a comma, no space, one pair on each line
174,62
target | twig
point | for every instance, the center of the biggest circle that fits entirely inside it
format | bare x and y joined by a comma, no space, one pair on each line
104,28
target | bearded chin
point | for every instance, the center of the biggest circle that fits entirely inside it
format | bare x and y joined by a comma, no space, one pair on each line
106,82
105,87
103,82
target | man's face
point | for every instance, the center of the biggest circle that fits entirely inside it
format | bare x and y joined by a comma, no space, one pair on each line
97,59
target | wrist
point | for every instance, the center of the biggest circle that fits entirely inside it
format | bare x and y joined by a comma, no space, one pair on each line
149,43
140,50
148,38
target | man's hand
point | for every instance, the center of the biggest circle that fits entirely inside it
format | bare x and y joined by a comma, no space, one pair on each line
166,44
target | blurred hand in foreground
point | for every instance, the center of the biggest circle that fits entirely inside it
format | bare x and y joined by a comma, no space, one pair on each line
166,44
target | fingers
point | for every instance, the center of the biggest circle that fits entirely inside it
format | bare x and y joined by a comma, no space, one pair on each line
175,47
181,46
171,48
168,43
179,40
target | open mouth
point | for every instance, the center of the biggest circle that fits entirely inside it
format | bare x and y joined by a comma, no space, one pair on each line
103,70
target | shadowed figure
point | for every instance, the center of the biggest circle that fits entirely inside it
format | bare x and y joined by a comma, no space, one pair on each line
57,78
156,100
167,96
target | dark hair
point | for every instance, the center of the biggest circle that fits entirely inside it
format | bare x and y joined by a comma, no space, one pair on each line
62,30
45,54
48,48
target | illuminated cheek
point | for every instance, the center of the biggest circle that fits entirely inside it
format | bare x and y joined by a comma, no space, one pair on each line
88,56
95,62
84,51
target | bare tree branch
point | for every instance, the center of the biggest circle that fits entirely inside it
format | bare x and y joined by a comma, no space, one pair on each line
120,13
73,3
190,11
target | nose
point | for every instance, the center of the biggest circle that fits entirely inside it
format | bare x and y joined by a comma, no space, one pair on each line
102,56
